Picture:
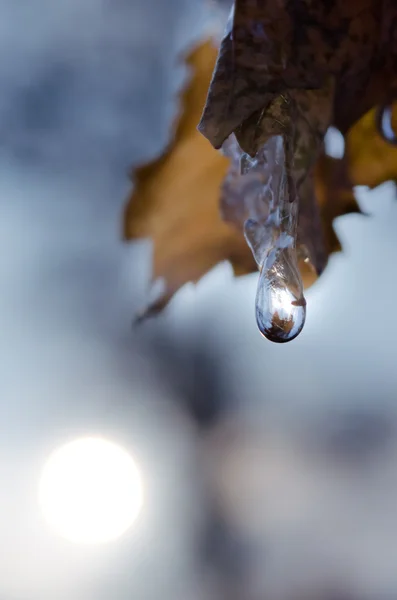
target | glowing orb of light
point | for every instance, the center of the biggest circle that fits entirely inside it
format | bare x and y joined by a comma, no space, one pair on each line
90,491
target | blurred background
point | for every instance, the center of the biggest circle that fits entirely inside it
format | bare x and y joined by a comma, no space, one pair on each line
268,472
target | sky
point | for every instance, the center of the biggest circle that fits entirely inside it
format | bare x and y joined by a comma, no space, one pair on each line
86,94
304,452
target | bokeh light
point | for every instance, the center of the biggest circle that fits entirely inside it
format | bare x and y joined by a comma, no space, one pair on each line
90,491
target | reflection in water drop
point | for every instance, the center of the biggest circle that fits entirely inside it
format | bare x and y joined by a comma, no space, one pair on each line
280,304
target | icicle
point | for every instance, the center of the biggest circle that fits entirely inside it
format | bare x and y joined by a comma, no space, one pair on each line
270,216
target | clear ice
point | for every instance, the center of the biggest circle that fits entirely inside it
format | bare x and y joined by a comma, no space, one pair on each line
270,229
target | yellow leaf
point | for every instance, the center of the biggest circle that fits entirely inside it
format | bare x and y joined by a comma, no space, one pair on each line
371,159
176,198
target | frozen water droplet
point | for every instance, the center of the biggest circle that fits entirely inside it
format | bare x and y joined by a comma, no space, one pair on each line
280,304
270,217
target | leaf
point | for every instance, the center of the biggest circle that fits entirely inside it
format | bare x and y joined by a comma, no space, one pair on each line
272,55
175,201
293,68
334,195
371,159
271,47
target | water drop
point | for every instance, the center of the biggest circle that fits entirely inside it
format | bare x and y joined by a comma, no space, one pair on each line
270,217
280,303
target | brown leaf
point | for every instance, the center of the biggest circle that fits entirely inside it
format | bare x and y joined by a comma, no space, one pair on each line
176,198
271,47
371,159
283,69
293,68
335,196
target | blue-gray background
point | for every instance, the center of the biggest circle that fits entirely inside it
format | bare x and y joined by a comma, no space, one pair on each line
270,471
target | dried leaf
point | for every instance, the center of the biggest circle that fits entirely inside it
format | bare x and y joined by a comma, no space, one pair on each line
371,159
283,68
176,198
334,195
270,47
292,69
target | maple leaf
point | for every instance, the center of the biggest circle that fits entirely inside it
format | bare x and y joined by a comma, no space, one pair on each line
289,68
175,200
